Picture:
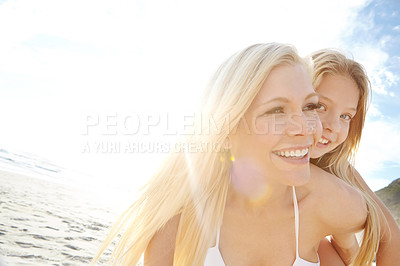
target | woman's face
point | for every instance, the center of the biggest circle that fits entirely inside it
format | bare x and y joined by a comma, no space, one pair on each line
338,100
272,140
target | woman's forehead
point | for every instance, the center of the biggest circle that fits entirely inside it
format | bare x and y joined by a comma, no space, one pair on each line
290,82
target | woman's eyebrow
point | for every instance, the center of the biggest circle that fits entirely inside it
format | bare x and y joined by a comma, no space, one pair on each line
313,94
286,100
325,98
277,99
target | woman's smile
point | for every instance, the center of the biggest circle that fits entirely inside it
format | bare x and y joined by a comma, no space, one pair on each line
296,155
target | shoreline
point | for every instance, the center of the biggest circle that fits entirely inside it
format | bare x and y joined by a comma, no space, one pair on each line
45,222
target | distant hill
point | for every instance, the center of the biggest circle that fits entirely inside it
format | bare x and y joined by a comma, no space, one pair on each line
390,195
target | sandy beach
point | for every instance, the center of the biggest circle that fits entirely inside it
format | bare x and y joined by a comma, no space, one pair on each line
48,223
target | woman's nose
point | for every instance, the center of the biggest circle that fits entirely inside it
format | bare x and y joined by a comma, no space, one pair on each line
299,125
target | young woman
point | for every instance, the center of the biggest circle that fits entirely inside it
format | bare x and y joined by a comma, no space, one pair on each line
252,199
343,88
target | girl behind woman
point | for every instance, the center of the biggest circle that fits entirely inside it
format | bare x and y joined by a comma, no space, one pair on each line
342,84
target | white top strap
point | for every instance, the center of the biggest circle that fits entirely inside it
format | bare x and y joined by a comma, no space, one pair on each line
296,220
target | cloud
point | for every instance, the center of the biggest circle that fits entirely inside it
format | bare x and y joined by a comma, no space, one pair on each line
371,41
374,153
373,111
376,62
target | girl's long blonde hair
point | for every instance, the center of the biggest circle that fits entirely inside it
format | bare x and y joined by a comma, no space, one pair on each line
340,161
194,185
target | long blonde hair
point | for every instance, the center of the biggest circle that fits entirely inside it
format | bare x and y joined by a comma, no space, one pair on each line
194,185
339,160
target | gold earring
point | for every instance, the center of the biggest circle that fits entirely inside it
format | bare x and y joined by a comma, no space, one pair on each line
227,144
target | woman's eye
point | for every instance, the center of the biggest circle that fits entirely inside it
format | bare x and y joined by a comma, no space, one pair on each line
321,107
277,110
346,117
311,107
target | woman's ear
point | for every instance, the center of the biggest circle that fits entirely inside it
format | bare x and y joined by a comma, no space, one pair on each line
227,143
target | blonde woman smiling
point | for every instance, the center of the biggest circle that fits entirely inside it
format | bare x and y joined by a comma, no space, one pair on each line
256,200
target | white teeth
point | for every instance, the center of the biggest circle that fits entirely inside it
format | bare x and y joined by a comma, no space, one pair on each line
323,141
293,153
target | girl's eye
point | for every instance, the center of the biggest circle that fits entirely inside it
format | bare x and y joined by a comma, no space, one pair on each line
276,110
346,117
311,107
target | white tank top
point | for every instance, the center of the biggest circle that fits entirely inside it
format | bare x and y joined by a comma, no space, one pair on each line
214,257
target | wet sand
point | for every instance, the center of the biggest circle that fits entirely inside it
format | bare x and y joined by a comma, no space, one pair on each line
47,223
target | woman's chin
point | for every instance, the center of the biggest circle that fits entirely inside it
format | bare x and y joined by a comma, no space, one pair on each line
301,180
297,179
316,153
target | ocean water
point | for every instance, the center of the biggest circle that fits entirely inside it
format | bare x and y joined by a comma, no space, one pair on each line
45,218
36,166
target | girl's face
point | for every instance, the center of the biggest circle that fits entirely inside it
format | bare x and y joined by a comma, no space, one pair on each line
273,138
338,100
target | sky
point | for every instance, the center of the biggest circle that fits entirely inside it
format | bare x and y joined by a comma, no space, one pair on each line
102,87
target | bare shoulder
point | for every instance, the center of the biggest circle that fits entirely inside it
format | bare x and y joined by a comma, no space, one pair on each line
161,248
341,207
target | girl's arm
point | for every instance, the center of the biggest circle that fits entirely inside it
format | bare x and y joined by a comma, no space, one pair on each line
388,252
346,246
328,255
